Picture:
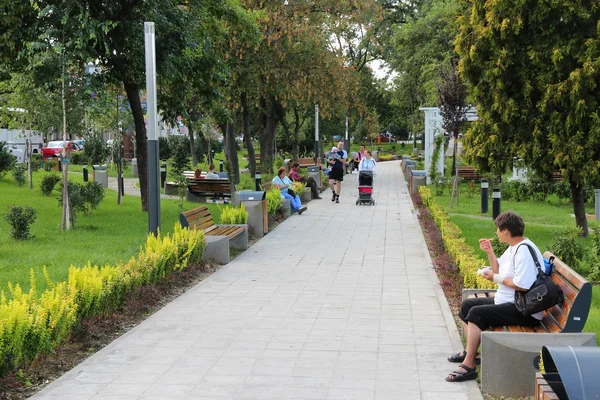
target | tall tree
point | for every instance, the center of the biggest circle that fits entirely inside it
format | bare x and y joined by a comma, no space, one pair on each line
534,71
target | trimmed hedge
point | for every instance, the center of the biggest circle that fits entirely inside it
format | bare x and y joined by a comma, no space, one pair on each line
32,324
462,254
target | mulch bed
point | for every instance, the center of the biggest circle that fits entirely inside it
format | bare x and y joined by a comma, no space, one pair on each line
448,273
91,336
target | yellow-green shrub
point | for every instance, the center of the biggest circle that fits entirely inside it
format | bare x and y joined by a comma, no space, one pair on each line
234,215
274,201
31,325
463,255
385,157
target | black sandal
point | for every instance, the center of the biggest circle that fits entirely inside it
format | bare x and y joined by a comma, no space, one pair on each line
460,357
461,376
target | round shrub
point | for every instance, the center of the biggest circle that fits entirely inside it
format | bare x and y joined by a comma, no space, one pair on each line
48,183
36,161
19,219
79,159
18,172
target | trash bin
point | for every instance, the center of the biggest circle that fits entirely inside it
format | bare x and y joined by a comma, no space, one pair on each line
256,205
100,175
315,173
134,167
418,178
408,165
572,372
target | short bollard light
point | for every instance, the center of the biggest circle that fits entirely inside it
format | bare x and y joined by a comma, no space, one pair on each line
220,165
257,180
496,196
484,195
85,173
163,174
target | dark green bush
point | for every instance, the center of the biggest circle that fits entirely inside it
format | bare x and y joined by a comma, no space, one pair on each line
567,247
19,219
515,190
180,146
164,148
83,198
95,150
18,171
79,158
36,161
50,164
49,181
6,160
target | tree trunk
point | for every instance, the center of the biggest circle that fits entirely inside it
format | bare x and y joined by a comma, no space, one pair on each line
133,95
454,154
247,135
192,147
66,212
296,136
29,170
579,206
268,126
231,150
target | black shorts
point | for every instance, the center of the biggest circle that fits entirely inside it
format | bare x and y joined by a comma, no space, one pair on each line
336,174
485,314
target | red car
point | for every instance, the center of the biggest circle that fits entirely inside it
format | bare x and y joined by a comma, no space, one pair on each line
55,148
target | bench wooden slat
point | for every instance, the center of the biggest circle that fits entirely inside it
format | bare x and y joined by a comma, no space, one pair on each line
200,218
515,328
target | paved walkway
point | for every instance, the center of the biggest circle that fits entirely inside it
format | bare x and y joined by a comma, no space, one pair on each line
338,303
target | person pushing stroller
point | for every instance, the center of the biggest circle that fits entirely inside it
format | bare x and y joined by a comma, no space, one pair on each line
366,172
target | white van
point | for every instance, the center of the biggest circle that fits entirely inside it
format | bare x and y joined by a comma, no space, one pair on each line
20,154
15,139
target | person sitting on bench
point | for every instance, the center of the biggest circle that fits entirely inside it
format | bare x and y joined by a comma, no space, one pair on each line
296,177
514,270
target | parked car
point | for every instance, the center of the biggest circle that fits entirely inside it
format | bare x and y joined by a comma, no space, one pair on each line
80,143
385,139
55,148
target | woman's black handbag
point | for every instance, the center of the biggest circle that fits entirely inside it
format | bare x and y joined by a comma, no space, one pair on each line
291,192
543,294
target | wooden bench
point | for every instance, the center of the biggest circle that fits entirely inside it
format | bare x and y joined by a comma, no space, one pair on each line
256,158
569,316
306,162
210,187
468,173
200,218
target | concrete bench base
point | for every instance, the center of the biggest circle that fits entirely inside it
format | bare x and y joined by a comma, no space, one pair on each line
255,217
240,242
193,198
287,208
509,360
217,249
171,189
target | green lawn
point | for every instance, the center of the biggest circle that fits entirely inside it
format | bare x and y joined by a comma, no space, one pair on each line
109,234
542,222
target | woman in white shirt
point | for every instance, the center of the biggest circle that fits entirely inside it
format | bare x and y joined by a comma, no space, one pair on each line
367,163
514,270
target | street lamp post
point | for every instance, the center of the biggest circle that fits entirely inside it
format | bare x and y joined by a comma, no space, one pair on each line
153,173
317,155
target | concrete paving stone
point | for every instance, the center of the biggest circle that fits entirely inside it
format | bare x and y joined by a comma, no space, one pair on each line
443,396
398,385
214,392
394,395
315,371
124,389
304,393
137,378
350,394
168,390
